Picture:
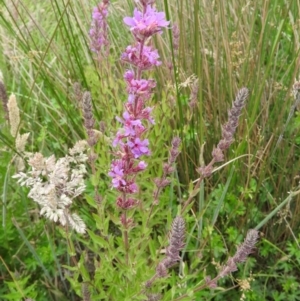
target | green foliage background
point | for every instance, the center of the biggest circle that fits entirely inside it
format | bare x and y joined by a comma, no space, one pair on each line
44,49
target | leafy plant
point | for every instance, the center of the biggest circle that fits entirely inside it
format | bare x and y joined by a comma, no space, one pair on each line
68,87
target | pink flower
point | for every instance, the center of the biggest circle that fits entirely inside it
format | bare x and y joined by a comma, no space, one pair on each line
144,25
117,173
142,86
118,138
129,75
144,58
132,127
130,99
142,165
146,114
138,147
131,187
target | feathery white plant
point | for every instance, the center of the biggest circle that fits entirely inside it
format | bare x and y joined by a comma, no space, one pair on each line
54,184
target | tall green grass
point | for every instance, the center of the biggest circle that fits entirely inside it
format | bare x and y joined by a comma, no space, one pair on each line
226,45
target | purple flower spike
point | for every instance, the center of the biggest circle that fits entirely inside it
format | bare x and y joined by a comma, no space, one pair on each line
98,31
136,118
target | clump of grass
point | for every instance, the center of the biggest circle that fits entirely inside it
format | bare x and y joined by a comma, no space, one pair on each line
216,48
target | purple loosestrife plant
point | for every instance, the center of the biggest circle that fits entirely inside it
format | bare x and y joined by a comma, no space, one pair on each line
240,256
228,131
98,30
176,244
130,142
